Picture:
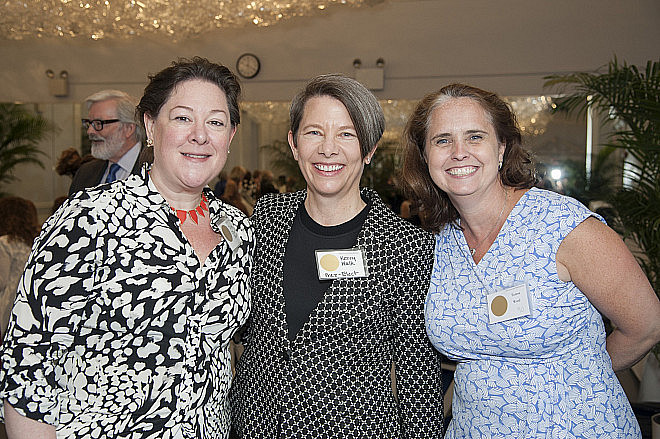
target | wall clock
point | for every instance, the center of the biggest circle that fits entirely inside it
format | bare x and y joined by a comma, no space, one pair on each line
248,65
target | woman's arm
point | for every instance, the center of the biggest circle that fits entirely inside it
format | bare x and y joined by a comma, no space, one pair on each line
601,266
20,427
418,367
57,281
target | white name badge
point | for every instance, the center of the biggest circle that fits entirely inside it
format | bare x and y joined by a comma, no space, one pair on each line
225,227
340,264
509,303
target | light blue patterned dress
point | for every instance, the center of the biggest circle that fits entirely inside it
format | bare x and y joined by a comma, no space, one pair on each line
544,376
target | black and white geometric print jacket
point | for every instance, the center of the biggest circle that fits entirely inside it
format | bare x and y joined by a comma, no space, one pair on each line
334,379
118,330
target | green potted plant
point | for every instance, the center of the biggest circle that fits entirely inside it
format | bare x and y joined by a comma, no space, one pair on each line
282,159
20,134
628,98
631,97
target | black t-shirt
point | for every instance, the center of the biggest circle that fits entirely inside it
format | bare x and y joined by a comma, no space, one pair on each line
302,288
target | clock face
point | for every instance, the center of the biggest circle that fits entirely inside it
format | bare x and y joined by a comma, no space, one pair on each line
248,65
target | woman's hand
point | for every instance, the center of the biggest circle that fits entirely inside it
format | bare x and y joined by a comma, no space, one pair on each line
21,427
598,262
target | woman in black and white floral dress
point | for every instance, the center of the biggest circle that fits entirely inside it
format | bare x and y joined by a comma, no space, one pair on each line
134,289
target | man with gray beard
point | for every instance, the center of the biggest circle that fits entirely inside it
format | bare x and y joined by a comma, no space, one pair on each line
116,139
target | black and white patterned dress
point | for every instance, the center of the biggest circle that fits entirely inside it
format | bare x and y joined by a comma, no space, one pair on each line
118,330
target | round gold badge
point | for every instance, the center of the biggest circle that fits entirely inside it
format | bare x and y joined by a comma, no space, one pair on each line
329,262
499,305
226,233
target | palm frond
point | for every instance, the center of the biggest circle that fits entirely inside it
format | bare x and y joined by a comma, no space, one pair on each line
20,134
282,159
629,97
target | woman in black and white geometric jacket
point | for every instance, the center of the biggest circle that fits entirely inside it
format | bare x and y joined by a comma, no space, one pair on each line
134,289
338,292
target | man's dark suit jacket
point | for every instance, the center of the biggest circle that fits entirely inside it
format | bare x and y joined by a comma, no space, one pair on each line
91,173
333,381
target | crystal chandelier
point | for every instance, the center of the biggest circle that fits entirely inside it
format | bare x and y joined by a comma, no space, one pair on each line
176,19
532,112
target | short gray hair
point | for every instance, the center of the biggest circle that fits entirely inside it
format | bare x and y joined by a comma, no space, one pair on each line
363,107
125,108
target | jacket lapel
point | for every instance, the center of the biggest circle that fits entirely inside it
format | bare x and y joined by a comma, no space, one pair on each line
281,227
99,171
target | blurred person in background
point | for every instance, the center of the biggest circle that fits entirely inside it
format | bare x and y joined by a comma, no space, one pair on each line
231,196
19,225
219,187
247,188
266,184
237,174
70,161
116,139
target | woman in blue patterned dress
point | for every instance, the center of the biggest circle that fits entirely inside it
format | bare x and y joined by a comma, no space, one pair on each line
520,276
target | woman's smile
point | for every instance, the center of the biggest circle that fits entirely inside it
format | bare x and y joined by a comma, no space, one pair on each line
328,168
462,171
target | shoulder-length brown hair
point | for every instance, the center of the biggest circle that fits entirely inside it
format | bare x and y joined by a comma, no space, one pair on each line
517,168
18,219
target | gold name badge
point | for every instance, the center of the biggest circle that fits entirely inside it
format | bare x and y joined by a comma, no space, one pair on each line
509,303
341,264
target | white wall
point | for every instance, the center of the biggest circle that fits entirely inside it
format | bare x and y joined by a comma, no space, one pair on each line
504,45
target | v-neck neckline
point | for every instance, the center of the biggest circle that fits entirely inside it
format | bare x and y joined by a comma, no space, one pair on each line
465,248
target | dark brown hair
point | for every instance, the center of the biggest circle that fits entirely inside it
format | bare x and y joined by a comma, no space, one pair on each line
162,84
68,162
517,168
18,219
362,106
233,197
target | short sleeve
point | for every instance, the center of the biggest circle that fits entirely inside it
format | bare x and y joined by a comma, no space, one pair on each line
559,215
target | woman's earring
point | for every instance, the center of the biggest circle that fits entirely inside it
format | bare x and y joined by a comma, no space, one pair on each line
500,165
150,143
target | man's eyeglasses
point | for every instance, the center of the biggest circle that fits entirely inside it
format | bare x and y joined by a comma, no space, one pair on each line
97,124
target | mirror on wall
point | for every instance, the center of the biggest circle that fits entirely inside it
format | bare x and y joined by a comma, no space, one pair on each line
553,138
